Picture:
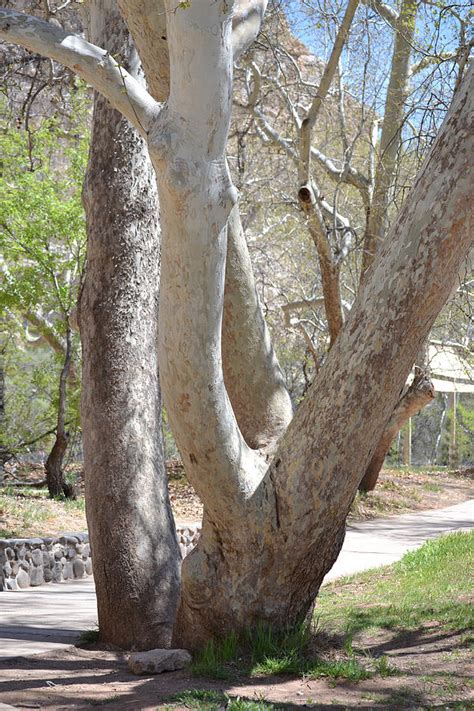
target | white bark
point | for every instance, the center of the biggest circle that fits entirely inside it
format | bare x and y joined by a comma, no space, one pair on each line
393,119
293,524
196,194
252,375
96,66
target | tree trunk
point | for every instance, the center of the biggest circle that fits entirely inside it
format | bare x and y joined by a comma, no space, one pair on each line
55,481
4,453
266,563
136,555
394,115
418,395
252,375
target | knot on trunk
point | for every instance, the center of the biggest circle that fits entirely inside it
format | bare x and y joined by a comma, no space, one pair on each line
306,194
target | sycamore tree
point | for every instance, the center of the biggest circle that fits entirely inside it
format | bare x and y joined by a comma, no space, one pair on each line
352,130
42,240
275,503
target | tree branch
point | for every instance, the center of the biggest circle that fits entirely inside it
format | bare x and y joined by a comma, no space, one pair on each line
324,85
385,11
91,63
418,395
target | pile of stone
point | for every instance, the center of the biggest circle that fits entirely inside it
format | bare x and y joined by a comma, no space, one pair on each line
26,562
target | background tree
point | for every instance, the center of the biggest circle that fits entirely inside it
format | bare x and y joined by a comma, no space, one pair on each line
43,243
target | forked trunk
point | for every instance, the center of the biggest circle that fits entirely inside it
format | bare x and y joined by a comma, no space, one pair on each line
265,558
135,551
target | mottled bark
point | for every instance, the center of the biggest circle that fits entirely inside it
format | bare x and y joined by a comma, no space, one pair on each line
129,517
269,533
4,453
419,394
269,564
252,375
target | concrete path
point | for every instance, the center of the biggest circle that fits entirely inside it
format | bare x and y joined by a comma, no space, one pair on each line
52,616
381,541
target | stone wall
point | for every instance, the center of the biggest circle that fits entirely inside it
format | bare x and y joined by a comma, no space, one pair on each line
26,562
29,562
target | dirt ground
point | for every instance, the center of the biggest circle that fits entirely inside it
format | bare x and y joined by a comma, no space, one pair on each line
432,667
398,491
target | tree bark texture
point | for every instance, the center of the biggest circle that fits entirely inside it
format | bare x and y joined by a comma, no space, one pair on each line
419,394
269,564
270,533
252,375
129,516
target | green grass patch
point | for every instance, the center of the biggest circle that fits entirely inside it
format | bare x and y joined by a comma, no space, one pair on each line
432,583
213,659
89,636
213,701
264,651
25,507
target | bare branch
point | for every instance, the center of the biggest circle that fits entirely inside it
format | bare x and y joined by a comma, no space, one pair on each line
92,63
324,84
385,11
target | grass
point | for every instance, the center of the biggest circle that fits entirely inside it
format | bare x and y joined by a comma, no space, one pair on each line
89,636
214,700
266,652
26,512
432,583
429,585
25,508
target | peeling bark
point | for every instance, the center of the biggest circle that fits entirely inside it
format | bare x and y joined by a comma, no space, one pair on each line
419,394
293,522
270,533
128,512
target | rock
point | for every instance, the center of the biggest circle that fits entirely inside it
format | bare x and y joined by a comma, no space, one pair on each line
36,577
86,550
23,579
68,572
37,557
7,569
78,568
157,661
88,566
48,575
57,572
11,584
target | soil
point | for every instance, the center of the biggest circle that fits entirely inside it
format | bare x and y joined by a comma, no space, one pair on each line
398,491
433,670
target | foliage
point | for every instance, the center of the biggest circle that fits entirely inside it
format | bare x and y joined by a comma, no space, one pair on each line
42,240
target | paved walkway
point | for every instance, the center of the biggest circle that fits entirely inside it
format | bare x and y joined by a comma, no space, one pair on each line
52,616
